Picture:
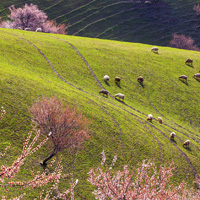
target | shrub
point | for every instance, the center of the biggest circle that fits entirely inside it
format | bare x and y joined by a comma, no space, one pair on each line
66,128
183,42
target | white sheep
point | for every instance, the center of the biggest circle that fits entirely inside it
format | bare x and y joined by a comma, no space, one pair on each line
197,75
150,117
19,28
186,143
120,96
154,49
160,120
27,29
172,135
38,30
184,77
106,78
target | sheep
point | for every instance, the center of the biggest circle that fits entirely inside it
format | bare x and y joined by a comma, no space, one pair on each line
197,75
189,61
117,79
38,30
27,29
186,143
106,78
120,96
19,28
172,135
150,117
154,49
140,79
160,120
184,77
103,92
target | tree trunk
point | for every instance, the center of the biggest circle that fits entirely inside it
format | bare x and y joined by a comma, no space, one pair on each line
48,158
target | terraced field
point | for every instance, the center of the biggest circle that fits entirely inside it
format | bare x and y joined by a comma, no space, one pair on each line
33,65
151,23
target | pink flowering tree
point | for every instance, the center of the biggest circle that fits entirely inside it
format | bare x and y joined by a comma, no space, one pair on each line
145,182
183,42
30,146
31,17
65,127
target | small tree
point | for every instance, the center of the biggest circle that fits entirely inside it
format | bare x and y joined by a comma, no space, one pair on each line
183,42
66,128
145,182
31,17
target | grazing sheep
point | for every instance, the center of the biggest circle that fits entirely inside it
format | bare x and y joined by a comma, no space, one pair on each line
197,75
117,79
38,30
106,78
27,29
19,28
172,135
160,120
120,96
189,61
186,143
154,49
150,117
103,92
184,77
140,79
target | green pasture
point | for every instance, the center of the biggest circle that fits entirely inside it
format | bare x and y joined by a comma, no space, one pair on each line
26,75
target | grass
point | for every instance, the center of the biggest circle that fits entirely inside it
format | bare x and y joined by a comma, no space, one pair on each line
25,76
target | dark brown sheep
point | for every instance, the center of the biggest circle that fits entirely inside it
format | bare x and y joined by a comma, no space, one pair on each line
117,79
103,92
140,79
189,61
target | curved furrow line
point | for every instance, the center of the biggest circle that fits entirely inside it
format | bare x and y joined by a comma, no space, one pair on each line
139,118
102,19
95,12
75,9
159,144
58,1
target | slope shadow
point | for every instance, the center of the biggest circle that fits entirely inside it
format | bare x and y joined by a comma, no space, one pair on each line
118,84
142,84
197,79
183,81
189,65
106,82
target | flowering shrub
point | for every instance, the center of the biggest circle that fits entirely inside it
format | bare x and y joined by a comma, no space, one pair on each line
145,182
183,42
197,9
66,128
31,17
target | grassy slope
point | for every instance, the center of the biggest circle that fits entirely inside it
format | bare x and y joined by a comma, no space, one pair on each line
116,127
122,20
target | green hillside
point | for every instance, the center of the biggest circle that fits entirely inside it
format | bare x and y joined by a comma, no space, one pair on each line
152,22
33,65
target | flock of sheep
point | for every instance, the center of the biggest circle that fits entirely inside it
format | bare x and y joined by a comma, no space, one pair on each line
140,79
